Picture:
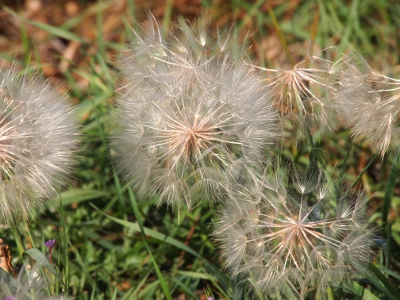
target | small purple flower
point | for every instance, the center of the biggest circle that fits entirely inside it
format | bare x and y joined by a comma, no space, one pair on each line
9,298
50,244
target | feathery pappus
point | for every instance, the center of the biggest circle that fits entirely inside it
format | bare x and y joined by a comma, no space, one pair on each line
38,140
190,105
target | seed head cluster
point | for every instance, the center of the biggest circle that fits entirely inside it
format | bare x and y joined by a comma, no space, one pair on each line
285,235
38,138
318,94
195,120
188,109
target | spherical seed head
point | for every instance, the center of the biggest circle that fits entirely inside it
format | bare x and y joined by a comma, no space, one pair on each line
38,139
286,235
368,102
189,107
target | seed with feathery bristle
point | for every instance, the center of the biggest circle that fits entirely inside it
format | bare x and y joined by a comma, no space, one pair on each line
287,236
38,139
368,103
302,93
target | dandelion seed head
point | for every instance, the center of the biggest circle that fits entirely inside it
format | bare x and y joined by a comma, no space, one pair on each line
302,94
368,103
298,239
38,140
189,107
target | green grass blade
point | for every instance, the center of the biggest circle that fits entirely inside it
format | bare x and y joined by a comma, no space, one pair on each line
391,183
390,272
167,15
363,171
114,297
100,40
382,283
157,269
388,246
186,289
196,275
57,31
363,293
349,27
64,243
76,196
86,107
42,261
84,270
222,279
53,30
132,293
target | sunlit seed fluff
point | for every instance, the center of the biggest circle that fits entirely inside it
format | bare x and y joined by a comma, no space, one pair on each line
285,235
368,102
38,138
302,93
188,108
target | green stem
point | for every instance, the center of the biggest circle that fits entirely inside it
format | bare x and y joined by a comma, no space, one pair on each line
390,186
330,294
65,244
364,170
344,163
18,240
167,16
163,283
21,250
388,247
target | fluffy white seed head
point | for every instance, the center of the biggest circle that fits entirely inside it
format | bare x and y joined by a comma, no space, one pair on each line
38,138
291,234
368,103
189,107
302,93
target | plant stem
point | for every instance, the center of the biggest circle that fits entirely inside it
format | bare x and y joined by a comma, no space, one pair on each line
18,240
